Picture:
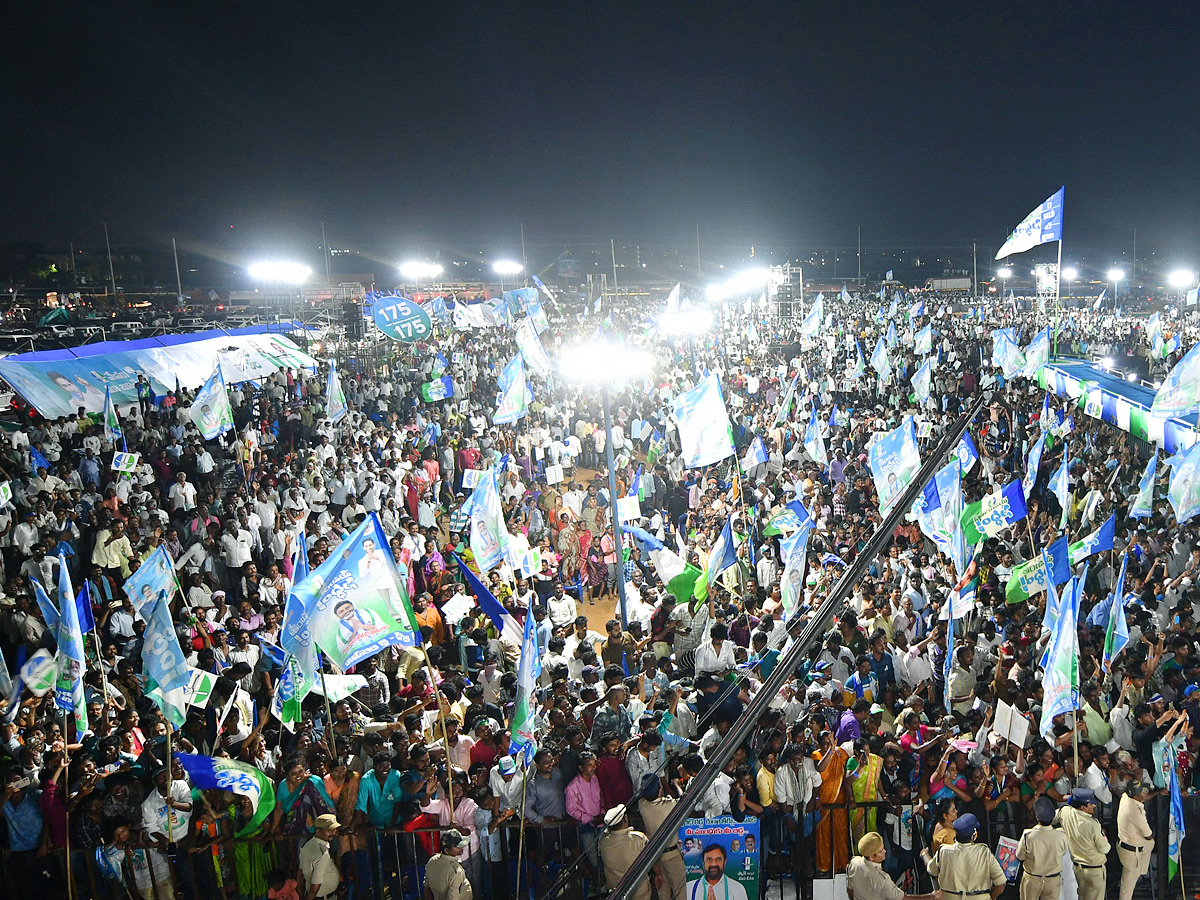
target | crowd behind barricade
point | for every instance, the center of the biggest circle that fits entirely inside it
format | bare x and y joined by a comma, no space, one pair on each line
878,745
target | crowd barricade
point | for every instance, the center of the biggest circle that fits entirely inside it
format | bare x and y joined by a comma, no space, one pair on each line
391,866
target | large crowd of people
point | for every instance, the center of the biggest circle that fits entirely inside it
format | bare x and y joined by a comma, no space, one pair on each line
876,748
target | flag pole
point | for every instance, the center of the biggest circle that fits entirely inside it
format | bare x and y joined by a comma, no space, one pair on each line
1057,296
437,697
66,793
521,838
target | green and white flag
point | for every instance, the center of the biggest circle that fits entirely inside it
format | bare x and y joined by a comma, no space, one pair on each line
200,687
211,773
112,422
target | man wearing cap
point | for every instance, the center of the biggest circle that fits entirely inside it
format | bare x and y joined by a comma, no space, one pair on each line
445,878
966,869
619,847
654,809
1041,849
866,880
317,867
1089,847
1135,839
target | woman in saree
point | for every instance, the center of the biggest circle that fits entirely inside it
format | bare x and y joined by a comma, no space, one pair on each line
341,783
832,834
864,782
299,799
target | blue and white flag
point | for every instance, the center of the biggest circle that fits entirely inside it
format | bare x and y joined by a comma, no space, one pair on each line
68,692
112,422
894,461
438,389
1175,827
523,736
440,365
211,412
924,341
38,461
243,779
1060,682
531,348
920,382
164,663
353,605
838,418
1099,541
966,452
1183,490
995,512
1143,504
832,559
880,362
705,436
1037,354
844,296
813,442
504,621
335,397
756,454
489,534
892,340
786,404
1179,394
857,367
812,322
948,662
1006,352
722,556
511,405
1041,226
1060,486
1116,635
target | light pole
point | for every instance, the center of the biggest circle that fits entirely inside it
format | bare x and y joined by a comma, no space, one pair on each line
1005,274
413,272
1069,275
1116,276
281,273
504,267
607,364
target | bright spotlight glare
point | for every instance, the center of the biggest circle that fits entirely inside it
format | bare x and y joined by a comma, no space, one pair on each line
1116,274
603,363
1132,376
685,321
291,273
1070,274
1181,278
507,267
1006,272
415,270
743,283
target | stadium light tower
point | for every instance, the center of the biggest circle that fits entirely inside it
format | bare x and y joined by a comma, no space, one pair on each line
1181,278
1116,276
504,267
281,275
1069,274
1005,273
605,364
416,271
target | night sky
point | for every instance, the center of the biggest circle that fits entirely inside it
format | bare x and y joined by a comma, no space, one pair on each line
403,124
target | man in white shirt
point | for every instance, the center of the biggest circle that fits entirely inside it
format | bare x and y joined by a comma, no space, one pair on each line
715,655
182,495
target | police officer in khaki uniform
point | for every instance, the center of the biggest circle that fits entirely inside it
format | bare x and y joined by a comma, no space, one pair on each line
619,847
1089,847
866,880
1135,839
1041,850
445,878
965,869
655,809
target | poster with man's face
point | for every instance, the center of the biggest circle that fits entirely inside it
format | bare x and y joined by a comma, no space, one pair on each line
721,854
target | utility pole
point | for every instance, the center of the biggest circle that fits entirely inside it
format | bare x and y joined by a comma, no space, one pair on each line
111,274
325,253
178,280
860,255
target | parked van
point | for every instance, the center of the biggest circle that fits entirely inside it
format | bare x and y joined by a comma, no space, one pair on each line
126,330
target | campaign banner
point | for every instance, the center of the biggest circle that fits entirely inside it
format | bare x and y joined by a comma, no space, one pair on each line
57,383
126,463
398,317
721,857
705,435
215,416
354,604
894,461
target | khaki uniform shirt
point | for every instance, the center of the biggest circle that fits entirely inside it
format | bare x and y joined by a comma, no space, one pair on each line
1089,846
317,867
654,813
867,881
966,869
446,879
1041,849
1132,827
618,849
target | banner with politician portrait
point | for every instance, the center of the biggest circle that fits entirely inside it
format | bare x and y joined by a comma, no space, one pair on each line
894,460
354,604
721,857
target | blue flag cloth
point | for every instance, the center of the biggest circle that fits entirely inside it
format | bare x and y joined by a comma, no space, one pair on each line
37,461
832,559
1143,504
501,618
705,436
68,693
1043,225
164,661
756,455
1061,679
723,555
83,603
1175,826
966,453
1060,485
1032,464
